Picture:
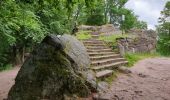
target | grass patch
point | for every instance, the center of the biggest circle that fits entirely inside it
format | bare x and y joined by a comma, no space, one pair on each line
112,38
111,78
83,35
132,58
7,67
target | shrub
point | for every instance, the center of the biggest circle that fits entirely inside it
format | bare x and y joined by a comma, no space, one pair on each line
132,58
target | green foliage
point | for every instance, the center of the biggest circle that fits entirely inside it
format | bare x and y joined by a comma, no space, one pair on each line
83,35
132,58
18,27
95,20
24,23
130,19
164,31
96,16
6,67
141,25
111,41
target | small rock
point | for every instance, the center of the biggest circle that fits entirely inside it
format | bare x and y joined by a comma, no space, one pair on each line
124,70
100,97
102,86
138,92
142,75
164,79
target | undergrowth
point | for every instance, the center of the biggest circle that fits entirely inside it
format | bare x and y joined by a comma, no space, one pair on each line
111,78
112,38
83,35
132,58
7,67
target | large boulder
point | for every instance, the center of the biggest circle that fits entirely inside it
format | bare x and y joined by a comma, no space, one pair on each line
57,69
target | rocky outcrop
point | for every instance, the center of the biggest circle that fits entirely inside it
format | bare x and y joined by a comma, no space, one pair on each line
57,69
144,41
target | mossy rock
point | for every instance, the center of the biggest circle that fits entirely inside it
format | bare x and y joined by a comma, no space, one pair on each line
50,73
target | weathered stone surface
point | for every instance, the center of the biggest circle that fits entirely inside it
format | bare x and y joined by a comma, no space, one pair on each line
76,50
103,86
124,69
144,41
56,69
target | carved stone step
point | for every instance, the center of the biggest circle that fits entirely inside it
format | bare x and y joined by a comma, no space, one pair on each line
94,44
94,58
96,47
100,50
95,35
109,66
104,73
100,53
106,61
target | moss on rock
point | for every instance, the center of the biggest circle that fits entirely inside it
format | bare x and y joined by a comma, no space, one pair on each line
48,74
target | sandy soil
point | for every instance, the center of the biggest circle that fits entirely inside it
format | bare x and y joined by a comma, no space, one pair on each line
149,80
7,79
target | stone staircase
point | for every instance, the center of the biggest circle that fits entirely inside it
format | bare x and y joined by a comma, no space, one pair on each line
103,59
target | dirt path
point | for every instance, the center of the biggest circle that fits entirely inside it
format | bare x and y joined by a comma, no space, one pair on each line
6,81
149,80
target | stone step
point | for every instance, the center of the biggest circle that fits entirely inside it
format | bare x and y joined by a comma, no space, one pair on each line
94,58
106,61
100,50
96,47
93,44
109,66
94,40
95,35
100,53
104,73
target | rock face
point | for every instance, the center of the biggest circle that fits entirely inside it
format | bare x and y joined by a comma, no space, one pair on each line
56,70
144,41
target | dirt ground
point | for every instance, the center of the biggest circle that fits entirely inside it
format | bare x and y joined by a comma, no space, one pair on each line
6,81
149,80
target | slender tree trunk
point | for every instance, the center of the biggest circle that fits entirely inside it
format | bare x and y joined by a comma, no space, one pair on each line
19,55
23,54
106,11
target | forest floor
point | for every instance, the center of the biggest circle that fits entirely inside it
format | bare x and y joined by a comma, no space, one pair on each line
149,80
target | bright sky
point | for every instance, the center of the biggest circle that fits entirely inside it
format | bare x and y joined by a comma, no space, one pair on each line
147,10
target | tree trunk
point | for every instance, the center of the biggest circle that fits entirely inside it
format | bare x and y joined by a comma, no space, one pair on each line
19,55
